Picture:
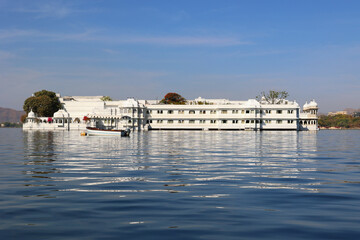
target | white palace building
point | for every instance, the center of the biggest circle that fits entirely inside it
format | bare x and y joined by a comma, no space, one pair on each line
199,114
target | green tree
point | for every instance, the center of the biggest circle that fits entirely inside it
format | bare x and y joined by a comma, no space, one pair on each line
173,98
339,120
106,98
23,117
273,97
44,103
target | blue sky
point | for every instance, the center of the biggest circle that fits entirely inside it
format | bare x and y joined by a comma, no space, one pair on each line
213,49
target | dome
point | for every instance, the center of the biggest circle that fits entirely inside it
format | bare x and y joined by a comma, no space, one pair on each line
252,103
31,114
61,114
306,105
130,103
296,104
313,104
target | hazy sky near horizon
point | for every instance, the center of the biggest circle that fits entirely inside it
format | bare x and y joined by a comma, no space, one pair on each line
213,49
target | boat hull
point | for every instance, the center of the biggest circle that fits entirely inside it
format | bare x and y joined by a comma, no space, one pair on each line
102,132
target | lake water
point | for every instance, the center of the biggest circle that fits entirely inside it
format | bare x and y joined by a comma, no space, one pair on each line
180,185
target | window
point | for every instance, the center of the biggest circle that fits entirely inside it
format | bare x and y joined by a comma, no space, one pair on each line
247,111
170,121
252,121
279,111
235,111
202,121
267,121
202,112
181,111
191,112
290,111
268,111
224,121
247,121
242,111
279,121
159,121
148,121
191,121
223,111
290,121
234,121
212,111
257,121
181,121
212,121
160,111
252,111
170,111
242,121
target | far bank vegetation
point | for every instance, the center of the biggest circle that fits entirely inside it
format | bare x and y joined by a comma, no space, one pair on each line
339,121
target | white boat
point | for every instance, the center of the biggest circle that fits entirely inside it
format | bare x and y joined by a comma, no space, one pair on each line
105,132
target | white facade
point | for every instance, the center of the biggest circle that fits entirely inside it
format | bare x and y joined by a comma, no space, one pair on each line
198,114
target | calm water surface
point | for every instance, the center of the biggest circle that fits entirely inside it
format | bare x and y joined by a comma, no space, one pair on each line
180,185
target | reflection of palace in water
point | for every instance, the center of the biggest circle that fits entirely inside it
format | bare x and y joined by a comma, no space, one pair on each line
177,161
283,158
39,156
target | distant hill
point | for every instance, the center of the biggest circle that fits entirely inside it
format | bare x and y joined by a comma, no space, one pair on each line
10,115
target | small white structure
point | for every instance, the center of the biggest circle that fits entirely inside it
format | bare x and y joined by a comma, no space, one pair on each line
308,118
198,114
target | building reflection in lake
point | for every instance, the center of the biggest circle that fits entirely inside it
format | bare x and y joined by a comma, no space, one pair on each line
172,161
39,155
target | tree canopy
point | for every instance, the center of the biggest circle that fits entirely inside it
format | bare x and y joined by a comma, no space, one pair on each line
106,98
173,98
273,97
339,121
44,103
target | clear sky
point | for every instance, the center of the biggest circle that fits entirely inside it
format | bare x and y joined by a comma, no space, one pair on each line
213,49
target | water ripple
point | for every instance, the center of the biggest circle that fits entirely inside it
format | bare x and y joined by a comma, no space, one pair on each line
198,185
